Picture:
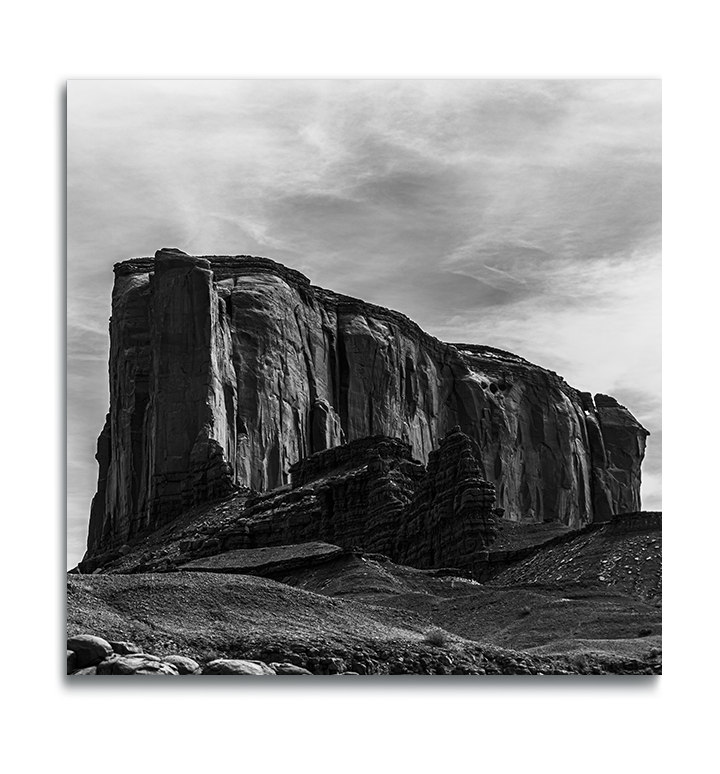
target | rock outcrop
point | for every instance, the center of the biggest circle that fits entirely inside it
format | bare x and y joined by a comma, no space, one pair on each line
624,451
623,555
451,518
233,666
88,649
369,495
267,560
227,371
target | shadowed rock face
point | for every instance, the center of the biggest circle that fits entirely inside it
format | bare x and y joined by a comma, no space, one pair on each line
368,496
371,495
266,560
226,371
451,518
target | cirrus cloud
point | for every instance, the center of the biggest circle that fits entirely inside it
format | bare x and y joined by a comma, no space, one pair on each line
521,214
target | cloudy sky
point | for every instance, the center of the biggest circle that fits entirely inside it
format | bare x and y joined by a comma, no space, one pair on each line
520,214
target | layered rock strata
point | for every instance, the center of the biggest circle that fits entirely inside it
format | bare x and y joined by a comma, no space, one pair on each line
226,371
367,497
370,495
451,518
266,561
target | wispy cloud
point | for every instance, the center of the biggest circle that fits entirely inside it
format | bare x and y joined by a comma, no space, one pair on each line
524,214
256,229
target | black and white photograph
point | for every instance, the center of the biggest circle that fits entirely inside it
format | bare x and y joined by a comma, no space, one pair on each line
364,377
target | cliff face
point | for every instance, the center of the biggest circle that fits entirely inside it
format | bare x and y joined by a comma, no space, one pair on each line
452,516
226,371
371,494
367,495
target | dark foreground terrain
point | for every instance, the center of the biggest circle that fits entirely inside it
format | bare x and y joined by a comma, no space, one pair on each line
586,602
307,483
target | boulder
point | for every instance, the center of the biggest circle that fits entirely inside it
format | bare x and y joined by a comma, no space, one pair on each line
89,650
289,669
184,665
125,648
155,668
107,666
136,664
71,661
85,671
232,666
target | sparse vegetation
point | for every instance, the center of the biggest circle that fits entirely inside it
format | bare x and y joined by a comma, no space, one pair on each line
361,604
206,616
436,637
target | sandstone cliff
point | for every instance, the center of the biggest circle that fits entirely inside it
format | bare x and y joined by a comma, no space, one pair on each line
368,495
227,371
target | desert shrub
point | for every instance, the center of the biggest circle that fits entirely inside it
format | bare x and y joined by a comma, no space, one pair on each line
436,637
524,612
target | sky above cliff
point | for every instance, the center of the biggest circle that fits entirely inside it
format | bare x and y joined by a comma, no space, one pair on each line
520,214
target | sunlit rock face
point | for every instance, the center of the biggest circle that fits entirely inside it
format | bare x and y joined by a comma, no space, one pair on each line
226,371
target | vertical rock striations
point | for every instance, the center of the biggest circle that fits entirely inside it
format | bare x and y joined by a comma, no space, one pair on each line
624,442
451,517
191,383
228,370
371,494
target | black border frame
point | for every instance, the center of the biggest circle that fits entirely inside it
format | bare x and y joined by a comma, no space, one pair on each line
421,687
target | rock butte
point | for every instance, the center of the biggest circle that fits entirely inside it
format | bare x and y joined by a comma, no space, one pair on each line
227,371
